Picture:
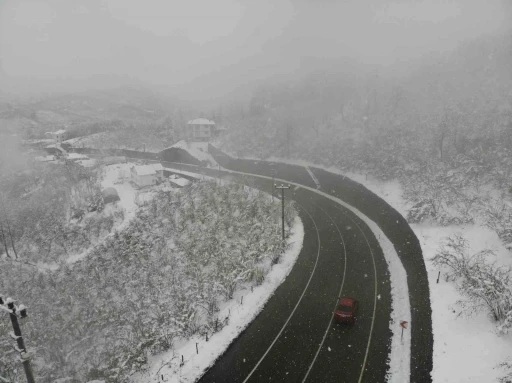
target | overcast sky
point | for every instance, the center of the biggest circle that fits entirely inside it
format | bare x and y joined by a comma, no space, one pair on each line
228,42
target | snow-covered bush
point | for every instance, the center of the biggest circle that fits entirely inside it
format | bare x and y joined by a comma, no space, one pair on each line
422,211
507,378
483,283
497,216
46,213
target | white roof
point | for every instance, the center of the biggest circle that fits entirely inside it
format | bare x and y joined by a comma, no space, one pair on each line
57,132
179,181
77,156
157,167
193,175
45,158
144,170
201,121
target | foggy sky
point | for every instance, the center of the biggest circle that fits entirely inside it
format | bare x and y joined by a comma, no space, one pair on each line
202,47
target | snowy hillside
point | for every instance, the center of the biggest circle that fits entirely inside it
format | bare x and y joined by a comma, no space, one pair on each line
198,150
165,278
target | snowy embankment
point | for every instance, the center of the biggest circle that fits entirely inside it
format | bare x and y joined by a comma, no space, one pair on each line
199,354
117,176
199,150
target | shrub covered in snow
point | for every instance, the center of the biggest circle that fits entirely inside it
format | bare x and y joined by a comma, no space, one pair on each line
482,282
51,212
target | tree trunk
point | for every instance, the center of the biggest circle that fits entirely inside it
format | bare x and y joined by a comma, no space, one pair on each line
441,141
4,240
12,240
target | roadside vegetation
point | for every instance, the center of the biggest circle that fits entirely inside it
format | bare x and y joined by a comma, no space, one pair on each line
49,212
158,281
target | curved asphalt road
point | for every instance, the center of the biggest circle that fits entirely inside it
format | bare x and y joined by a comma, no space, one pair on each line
294,338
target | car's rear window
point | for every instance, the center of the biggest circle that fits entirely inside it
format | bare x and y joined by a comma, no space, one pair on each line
344,308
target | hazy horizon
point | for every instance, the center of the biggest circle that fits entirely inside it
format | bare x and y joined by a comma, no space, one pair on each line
199,50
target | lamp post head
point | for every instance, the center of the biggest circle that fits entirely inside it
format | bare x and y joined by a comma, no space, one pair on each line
23,311
10,304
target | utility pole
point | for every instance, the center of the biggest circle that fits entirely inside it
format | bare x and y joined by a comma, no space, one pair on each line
11,309
273,184
282,187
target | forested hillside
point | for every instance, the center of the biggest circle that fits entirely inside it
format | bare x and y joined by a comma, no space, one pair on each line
444,130
135,118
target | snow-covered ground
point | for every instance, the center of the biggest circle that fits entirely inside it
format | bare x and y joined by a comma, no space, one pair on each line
117,176
241,312
86,141
198,150
466,349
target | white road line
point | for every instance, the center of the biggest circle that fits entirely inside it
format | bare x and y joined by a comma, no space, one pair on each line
375,295
295,308
315,180
339,294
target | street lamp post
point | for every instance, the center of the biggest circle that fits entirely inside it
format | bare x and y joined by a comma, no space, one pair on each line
282,187
12,310
273,184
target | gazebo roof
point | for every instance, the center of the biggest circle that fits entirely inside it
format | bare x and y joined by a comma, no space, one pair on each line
201,121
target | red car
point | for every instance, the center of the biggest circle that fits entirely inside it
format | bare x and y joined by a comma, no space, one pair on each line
346,310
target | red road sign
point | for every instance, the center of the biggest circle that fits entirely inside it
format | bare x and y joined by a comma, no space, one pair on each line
403,324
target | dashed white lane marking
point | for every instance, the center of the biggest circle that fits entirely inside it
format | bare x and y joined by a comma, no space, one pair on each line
315,180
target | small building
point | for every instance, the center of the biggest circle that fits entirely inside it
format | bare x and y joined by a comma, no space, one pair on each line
201,129
159,169
49,158
56,150
110,195
59,135
147,175
177,181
